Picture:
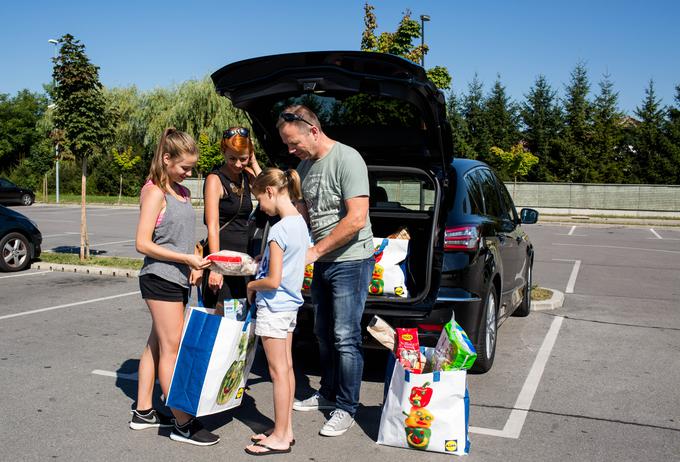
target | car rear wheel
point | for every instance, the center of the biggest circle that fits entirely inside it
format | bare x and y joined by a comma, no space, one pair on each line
524,308
16,254
26,199
488,330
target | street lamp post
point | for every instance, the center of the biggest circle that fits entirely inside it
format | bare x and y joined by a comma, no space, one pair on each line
423,19
56,146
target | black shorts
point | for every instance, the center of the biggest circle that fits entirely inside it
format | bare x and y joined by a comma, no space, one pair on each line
156,288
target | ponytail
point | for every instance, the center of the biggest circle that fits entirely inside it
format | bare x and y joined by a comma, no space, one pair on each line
275,178
174,143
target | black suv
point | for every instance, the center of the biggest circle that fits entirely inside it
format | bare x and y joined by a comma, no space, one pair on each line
468,252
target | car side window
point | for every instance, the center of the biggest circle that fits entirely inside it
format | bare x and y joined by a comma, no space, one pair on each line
474,193
509,211
492,202
5,184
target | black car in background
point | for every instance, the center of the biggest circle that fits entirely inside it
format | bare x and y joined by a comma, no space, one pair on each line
20,240
13,194
468,253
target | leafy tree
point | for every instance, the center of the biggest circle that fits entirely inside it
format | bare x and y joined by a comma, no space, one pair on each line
652,160
608,155
18,117
400,43
516,162
542,119
125,161
80,113
210,154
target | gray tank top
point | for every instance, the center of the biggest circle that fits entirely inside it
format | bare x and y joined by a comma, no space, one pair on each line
175,232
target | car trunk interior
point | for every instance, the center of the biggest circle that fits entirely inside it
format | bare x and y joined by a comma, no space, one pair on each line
405,197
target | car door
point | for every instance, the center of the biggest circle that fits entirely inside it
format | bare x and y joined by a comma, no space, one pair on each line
505,228
7,191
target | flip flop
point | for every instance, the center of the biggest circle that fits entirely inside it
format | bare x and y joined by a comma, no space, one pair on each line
267,434
268,450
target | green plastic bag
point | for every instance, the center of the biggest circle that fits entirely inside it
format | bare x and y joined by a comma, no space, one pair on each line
454,350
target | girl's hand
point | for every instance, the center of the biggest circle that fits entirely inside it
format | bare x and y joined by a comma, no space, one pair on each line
215,281
196,262
195,277
250,294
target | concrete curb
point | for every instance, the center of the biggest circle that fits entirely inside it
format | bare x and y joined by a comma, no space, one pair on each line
554,302
94,270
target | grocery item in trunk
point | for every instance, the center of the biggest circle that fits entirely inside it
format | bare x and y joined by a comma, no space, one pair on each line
382,332
389,273
454,351
230,263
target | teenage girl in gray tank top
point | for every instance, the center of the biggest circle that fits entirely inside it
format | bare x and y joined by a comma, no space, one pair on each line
165,235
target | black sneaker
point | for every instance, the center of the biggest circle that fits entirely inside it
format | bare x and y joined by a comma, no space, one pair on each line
153,419
193,432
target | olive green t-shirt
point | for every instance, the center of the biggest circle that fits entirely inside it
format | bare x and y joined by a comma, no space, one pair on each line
326,184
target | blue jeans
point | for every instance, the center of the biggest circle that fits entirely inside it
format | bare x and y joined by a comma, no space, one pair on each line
339,291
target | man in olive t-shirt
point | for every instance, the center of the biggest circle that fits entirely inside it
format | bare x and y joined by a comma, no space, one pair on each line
335,190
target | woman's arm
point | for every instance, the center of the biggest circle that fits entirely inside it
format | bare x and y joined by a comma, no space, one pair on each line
151,203
213,191
253,169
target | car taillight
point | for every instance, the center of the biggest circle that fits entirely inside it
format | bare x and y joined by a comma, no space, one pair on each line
461,238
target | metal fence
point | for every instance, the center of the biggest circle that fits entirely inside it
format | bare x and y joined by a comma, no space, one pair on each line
555,196
650,198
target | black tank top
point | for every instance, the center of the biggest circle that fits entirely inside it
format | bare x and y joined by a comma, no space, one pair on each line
235,236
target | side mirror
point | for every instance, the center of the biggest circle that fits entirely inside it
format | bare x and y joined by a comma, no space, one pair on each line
528,216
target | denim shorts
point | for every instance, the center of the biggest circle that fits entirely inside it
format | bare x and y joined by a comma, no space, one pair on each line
156,288
275,324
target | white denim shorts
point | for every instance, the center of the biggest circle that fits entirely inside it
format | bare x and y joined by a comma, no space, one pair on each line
275,324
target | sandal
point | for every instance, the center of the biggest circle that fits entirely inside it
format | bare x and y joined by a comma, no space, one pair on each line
268,450
266,434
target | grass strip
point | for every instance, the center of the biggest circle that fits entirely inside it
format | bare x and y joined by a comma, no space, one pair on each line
539,294
109,262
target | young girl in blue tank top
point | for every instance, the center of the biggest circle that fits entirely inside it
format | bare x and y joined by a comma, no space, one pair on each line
165,235
277,294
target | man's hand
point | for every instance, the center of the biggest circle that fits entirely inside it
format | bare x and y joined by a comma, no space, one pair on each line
312,255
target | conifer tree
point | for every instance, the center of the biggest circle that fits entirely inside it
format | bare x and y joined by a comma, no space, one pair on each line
652,161
459,129
478,138
608,160
543,123
502,119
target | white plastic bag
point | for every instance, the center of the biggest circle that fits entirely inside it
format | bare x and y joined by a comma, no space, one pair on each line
230,263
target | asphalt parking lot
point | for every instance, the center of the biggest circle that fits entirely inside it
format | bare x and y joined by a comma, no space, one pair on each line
593,380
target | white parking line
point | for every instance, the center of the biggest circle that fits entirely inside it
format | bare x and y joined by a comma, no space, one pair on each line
111,243
617,247
24,274
513,426
655,233
572,276
571,231
67,305
117,375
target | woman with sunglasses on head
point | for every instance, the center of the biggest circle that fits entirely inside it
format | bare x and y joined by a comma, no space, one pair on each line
226,193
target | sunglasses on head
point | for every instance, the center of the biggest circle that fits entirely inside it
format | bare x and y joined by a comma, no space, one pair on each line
244,132
291,117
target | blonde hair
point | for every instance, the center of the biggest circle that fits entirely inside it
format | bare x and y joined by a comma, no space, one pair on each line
241,145
276,178
174,143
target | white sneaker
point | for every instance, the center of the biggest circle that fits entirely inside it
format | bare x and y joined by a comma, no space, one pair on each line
338,424
313,403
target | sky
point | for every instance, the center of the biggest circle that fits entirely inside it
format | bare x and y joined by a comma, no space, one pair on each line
153,44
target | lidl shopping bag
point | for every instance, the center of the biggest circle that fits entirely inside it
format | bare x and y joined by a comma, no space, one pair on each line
389,272
213,363
426,412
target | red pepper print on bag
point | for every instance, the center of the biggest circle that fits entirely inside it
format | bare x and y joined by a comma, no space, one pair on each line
420,396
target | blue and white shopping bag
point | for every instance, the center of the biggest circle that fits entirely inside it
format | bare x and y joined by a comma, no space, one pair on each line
213,362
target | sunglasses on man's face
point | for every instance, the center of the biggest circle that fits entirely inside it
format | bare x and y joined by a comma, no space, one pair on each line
244,132
291,117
